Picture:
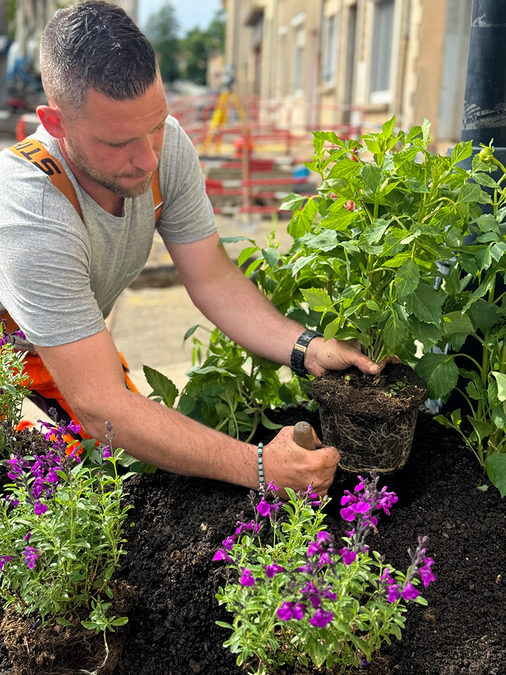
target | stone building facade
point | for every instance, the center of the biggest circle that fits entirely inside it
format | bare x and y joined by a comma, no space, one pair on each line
323,63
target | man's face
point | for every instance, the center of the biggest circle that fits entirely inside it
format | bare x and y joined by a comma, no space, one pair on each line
116,144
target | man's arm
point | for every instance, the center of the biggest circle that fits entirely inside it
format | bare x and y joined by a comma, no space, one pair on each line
89,375
228,299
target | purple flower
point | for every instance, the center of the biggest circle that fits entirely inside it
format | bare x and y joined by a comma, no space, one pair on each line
360,507
247,578
3,560
329,595
393,593
298,611
347,555
348,514
321,618
409,592
31,554
272,570
52,476
221,554
285,611
425,572
107,452
40,508
27,536
264,508
323,536
256,527
228,543
73,428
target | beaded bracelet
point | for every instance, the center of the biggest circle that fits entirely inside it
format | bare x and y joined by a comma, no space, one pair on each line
261,465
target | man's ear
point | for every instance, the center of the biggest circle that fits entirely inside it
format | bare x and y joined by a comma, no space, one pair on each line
51,119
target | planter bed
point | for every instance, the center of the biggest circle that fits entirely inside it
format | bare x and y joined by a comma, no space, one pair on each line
178,523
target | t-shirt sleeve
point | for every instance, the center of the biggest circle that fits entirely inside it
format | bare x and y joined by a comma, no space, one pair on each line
187,214
44,277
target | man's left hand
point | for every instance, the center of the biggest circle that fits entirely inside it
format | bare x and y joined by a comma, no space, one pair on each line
335,355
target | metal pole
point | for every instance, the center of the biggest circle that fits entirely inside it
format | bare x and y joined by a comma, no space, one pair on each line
3,54
485,100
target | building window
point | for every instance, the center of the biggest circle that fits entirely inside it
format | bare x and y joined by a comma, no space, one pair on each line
282,31
329,61
298,61
381,57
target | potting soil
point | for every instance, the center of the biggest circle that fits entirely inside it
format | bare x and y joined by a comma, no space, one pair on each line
178,523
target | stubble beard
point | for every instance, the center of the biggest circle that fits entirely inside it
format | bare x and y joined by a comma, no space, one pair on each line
77,157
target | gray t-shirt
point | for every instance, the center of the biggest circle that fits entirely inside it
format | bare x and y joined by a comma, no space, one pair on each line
60,275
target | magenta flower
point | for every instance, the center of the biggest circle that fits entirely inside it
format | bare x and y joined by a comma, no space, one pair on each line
40,508
285,611
27,536
298,611
409,592
31,554
321,618
264,508
425,572
228,543
393,593
221,554
107,452
3,560
272,570
348,514
247,578
347,555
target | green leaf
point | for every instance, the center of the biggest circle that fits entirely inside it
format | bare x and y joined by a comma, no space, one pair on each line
439,372
485,179
425,303
395,330
417,186
63,622
246,254
89,625
317,299
223,624
470,192
426,132
371,175
482,428
501,385
161,385
120,621
456,322
461,151
407,278
268,424
292,202
345,168
190,332
413,133
496,471
234,240
485,314
271,256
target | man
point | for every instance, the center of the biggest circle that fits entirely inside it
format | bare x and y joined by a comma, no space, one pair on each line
107,125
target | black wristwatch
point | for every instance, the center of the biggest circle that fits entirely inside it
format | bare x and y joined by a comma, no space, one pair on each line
299,352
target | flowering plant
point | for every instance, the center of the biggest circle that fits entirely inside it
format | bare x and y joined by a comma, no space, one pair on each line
13,386
299,596
61,531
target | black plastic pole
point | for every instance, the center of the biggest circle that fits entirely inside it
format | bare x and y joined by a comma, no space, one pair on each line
485,100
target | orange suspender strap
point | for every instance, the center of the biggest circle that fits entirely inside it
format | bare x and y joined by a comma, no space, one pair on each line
36,153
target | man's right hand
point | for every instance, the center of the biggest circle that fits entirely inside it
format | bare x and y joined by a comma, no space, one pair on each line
289,465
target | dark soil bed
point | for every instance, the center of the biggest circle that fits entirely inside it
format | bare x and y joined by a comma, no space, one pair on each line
178,524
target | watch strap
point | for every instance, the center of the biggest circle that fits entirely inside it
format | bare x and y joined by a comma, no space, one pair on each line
299,352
